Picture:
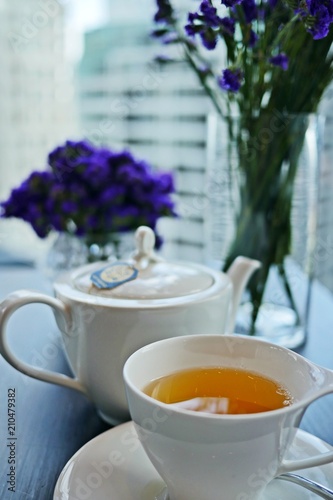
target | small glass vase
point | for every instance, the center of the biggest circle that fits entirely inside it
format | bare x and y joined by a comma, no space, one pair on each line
68,251
266,208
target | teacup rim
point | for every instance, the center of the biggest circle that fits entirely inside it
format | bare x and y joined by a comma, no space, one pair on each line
295,406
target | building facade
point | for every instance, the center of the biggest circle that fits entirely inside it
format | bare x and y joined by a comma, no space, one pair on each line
36,87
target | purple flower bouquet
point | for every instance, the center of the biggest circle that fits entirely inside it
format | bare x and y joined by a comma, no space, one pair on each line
92,192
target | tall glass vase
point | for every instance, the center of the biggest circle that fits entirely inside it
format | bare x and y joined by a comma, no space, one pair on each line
266,208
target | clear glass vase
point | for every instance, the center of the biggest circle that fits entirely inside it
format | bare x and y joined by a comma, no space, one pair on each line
68,251
266,208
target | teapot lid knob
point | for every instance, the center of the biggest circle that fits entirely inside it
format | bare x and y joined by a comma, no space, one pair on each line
144,240
145,243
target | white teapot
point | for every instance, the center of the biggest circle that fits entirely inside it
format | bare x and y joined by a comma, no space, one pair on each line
108,310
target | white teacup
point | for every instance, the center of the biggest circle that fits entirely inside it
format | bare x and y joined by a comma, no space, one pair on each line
202,456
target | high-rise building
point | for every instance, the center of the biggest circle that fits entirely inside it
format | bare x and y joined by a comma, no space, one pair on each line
36,91
127,100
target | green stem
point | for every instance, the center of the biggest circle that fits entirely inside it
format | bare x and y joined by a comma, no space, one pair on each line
285,282
203,80
263,225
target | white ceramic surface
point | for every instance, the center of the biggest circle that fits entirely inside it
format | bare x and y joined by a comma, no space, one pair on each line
102,327
113,466
187,447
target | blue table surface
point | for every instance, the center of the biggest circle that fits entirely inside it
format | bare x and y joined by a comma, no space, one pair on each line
53,422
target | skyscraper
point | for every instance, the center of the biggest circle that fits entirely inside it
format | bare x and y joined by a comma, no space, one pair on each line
36,92
36,101
158,111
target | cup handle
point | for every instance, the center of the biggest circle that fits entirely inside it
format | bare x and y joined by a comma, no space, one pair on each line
317,460
21,298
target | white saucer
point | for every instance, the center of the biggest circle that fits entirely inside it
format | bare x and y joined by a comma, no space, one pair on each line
113,466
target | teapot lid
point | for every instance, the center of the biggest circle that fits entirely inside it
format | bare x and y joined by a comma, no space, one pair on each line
145,276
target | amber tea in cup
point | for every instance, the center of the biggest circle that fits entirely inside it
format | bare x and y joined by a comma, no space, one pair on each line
219,390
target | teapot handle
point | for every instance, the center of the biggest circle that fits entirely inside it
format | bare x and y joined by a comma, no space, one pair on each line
21,298
316,460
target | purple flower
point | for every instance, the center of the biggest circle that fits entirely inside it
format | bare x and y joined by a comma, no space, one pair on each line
96,172
191,29
69,153
317,16
193,16
281,60
165,183
250,10
127,211
130,173
112,194
79,190
39,228
209,38
210,17
321,8
56,191
92,189
116,160
231,79
319,30
164,12
163,204
321,25
228,25
206,23
64,159
69,207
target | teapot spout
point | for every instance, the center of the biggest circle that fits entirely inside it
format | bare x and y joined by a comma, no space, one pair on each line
239,273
